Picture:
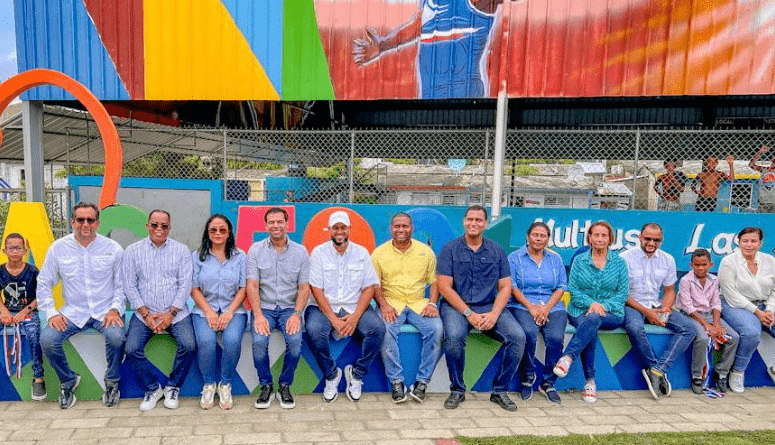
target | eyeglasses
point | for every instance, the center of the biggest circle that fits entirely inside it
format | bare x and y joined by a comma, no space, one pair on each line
15,249
221,230
648,239
82,220
155,226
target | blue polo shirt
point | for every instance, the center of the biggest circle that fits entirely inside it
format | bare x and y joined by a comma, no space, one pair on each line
474,275
537,282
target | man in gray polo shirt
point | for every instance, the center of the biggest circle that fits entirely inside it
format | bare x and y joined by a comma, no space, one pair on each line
278,289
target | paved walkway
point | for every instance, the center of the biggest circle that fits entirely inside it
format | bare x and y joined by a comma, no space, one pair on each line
376,421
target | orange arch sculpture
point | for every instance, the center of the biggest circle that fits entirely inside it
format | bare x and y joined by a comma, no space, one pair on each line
20,83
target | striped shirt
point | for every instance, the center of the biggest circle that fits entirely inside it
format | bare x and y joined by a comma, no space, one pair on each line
91,279
694,297
158,277
588,284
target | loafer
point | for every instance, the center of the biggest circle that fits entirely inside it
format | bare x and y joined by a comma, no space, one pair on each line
454,400
503,400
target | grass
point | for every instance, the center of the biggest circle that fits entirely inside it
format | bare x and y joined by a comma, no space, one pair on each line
693,438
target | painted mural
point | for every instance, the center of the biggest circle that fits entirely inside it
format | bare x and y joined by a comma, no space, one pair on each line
388,49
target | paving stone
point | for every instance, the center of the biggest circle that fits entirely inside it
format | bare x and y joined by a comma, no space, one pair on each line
406,442
222,428
593,429
301,416
194,440
648,428
312,436
617,410
484,432
541,431
229,439
47,434
164,431
391,424
132,441
99,422
397,414
704,426
708,417
335,425
496,422
369,435
750,425
365,414
104,433
435,433
554,421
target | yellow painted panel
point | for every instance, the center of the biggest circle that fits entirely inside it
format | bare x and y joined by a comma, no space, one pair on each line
194,50
29,219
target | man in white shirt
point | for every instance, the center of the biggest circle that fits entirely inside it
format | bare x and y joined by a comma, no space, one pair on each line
342,279
651,271
88,265
157,274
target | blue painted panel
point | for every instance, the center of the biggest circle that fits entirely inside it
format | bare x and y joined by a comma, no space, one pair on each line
261,22
60,35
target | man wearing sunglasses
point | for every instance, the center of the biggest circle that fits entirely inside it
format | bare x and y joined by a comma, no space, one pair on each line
157,273
652,270
89,267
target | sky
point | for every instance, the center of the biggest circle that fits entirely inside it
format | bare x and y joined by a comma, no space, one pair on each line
7,40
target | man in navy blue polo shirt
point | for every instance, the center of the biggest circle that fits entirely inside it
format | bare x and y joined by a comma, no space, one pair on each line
474,278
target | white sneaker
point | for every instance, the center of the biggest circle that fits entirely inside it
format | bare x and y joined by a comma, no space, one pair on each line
224,396
354,386
737,381
331,391
563,366
150,399
208,396
171,397
590,391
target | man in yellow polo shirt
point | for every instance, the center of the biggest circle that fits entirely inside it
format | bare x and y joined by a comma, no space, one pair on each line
404,266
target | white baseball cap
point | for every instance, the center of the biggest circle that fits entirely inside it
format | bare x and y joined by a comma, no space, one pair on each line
339,217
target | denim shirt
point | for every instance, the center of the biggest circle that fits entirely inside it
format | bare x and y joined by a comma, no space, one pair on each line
474,275
537,282
219,282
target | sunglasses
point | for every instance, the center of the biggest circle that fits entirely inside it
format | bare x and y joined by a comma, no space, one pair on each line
648,239
221,230
82,220
155,226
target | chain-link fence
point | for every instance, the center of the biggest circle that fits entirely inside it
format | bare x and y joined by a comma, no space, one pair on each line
600,168
57,208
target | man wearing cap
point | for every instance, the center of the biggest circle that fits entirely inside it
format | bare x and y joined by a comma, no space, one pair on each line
342,279
405,266
474,277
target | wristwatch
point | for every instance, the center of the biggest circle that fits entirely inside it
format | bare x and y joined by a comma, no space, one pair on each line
174,311
467,312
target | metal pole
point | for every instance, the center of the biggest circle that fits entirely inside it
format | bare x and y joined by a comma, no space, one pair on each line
224,174
501,120
32,133
484,166
635,168
351,167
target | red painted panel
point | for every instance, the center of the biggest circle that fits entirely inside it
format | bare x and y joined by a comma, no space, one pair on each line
120,24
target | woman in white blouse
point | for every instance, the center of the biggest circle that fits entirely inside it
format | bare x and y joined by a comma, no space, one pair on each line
747,279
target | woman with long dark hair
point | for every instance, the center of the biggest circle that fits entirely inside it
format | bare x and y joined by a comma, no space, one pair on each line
218,290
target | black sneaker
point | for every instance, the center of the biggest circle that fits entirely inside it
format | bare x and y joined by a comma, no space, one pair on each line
454,400
665,388
418,391
550,393
653,380
722,384
38,390
697,385
398,394
67,395
285,397
112,395
503,400
264,399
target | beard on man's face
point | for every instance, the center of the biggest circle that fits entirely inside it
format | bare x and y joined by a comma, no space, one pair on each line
337,243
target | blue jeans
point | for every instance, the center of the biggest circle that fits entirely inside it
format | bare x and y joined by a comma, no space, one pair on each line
207,338
370,329
138,336
431,331
750,330
683,336
554,335
51,341
31,329
584,341
277,319
506,331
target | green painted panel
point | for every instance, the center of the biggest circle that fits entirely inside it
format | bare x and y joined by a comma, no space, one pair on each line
122,216
87,389
161,352
480,350
305,69
615,346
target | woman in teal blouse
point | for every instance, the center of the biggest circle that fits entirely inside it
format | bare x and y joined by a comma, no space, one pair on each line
599,285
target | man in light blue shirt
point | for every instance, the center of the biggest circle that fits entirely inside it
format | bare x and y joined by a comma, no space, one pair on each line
278,290
88,265
157,273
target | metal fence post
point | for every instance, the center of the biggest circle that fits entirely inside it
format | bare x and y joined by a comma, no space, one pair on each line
484,166
225,174
635,168
501,120
351,167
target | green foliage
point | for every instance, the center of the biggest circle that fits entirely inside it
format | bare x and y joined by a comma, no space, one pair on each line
337,170
404,161
239,164
540,161
689,438
520,170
